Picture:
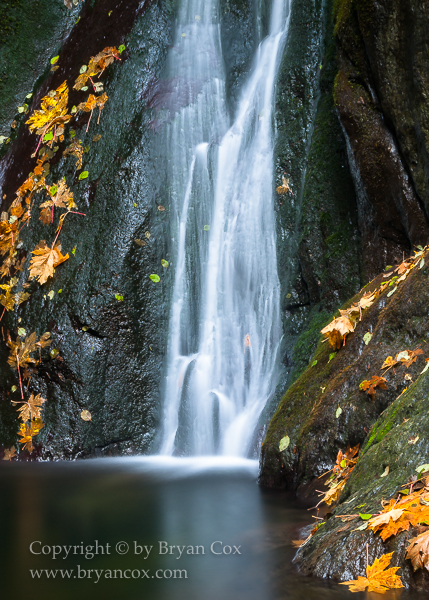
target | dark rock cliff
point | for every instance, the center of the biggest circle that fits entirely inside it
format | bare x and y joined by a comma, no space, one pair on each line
380,96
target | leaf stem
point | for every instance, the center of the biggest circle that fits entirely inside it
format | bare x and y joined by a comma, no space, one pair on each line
19,375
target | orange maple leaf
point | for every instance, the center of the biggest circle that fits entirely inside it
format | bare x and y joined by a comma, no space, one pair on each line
45,260
337,330
374,382
378,578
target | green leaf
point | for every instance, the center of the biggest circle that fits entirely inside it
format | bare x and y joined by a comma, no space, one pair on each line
83,175
422,263
54,352
422,468
121,48
73,110
54,60
365,517
165,265
21,109
53,190
13,388
155,277
86,148
361,505
48,137
21,332
59,291
72,133
74,250
206,227
85,328
343,464
84,88
83,69
284,443
367,338
388,267
332,356
337,414
314,363
119,298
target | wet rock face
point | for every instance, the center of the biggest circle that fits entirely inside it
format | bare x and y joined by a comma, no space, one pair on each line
380,94
108,320
112,349
337,550
308,411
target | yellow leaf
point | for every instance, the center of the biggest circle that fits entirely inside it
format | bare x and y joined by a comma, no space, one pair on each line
85,415
378,577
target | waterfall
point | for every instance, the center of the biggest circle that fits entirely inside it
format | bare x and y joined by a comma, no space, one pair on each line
225,327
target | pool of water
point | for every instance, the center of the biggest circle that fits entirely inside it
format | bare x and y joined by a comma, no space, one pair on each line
158,528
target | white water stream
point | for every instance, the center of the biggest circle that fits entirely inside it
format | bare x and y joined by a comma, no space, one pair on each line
225,325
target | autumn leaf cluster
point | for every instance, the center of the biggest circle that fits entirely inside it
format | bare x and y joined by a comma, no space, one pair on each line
48,122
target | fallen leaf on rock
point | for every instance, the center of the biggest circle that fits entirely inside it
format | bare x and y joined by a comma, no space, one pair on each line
378,578
45,261
371,385
9,453
418,551
284,443
337,330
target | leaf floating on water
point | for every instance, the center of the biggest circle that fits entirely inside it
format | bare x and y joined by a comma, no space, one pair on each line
154,277
378,578
284,443
392,292
85,415
97,137
22,332
83,175
140,242
161,208
54,60
164,263
332,356
119,298
338,413
83,69
314,363
147,234
121,47
206,227
51,294
365,517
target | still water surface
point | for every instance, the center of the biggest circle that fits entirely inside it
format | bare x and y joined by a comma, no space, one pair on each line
158,502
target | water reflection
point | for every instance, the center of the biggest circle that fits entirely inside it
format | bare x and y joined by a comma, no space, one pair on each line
186,503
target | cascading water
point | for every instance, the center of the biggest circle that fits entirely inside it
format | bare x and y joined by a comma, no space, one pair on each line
225,323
